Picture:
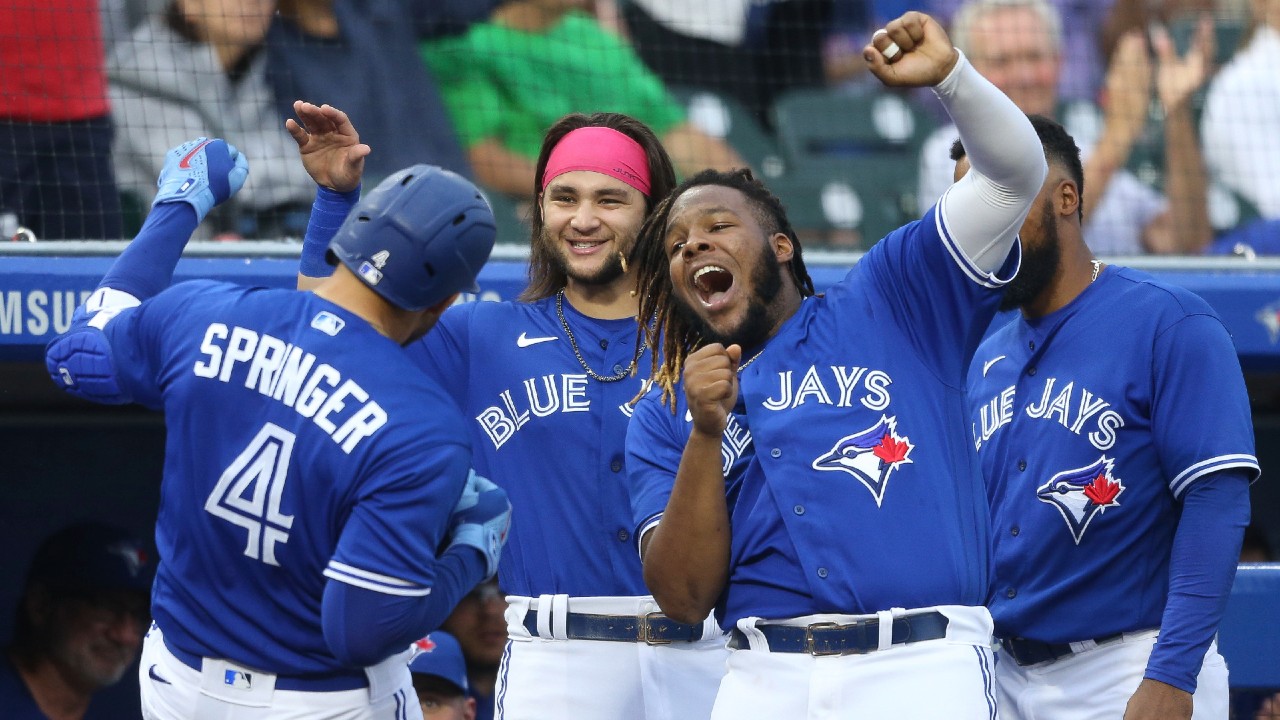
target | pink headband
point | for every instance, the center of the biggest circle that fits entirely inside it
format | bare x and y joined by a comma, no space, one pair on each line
603,150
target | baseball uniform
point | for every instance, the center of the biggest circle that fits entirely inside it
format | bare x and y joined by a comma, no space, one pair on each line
552,436
858,541
1092,425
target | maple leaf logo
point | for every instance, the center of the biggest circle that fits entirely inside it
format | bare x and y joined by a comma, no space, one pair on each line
1102,491
426,644
891,450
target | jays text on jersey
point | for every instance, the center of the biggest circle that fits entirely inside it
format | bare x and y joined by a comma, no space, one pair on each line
514,371
849,488
1090,424
285,413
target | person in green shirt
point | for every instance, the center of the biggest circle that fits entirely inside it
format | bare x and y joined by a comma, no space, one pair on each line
508,79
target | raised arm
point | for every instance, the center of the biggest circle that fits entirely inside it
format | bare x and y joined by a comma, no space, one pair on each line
333,155
984,210
197,176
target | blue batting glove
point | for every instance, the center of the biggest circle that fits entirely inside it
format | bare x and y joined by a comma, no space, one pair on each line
203,173
481,520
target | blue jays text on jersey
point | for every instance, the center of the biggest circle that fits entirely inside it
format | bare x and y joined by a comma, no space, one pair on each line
1090,424
853,492
549,435
285,415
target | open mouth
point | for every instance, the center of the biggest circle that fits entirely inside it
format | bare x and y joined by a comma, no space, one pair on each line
712,283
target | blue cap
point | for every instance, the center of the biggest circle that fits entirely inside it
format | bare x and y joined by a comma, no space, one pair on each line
440,654
92,556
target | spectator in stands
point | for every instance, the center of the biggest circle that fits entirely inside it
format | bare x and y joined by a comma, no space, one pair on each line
55,123
1018,45
744,49
481,630
508,79
362,56
1242,114
79,623
440,678
1253,705
1083,63
198,67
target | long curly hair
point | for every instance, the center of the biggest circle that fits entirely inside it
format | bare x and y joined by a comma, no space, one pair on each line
669,330
546,276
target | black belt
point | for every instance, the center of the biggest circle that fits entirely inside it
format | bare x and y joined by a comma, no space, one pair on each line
1032,652
855,638
651,629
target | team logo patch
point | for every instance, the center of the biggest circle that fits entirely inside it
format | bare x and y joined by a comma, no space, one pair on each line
134,557
426,644
1269,317
869,455
1082,494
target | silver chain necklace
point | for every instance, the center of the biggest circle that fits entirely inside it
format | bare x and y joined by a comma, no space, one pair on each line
573,342
750,360
1097,268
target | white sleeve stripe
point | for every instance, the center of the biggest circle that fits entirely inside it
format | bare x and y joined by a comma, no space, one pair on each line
367,575
1204,467
417,591
648,525
974,273
105,303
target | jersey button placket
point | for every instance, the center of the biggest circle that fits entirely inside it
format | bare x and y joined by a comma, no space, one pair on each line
1011,593
1014,531
623,535
776,452
616,466
1022,466
822,573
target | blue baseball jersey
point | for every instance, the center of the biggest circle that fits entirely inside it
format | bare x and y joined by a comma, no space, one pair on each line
301,444
548,434
1090,423
851,488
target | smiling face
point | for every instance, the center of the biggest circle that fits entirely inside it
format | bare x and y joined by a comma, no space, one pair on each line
726,268
590,221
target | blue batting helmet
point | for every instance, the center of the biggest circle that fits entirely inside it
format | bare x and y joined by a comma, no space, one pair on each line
419,237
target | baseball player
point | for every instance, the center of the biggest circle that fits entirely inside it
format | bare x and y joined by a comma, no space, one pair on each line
811,485
311,472
1112,425
547,385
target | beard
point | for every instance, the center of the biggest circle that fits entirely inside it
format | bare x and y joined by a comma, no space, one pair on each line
611,268
1039,264
755,326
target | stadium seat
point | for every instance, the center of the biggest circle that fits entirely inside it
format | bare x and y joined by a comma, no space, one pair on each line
724,117
822,123
847,203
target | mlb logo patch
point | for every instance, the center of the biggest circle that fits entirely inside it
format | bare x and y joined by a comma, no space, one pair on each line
371,274
327,323
238,679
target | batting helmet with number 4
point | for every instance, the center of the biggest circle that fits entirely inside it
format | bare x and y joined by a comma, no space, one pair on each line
422,235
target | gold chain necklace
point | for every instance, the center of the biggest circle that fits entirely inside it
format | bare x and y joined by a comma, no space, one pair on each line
573,342
750,360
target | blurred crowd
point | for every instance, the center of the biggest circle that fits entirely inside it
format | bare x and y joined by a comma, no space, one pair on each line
1174,102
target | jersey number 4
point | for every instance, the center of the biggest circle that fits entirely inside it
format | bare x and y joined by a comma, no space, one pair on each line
248,493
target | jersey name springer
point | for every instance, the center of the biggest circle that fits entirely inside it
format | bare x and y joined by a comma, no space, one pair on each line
288,374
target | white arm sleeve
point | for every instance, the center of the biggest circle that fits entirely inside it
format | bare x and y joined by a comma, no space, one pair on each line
985,209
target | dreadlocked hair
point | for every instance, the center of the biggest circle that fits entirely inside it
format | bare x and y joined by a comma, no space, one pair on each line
546,277
669,330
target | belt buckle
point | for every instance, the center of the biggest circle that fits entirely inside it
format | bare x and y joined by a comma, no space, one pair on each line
646,635
817,652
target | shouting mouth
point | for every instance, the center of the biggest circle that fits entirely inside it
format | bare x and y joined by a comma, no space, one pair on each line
712,284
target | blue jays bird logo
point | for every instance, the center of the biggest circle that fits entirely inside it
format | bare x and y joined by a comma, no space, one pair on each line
869,455
1082,494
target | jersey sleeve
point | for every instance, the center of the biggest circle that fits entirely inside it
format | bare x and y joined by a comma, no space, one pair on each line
114,351
919,278
1200,408
653,450
442,354
400,518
